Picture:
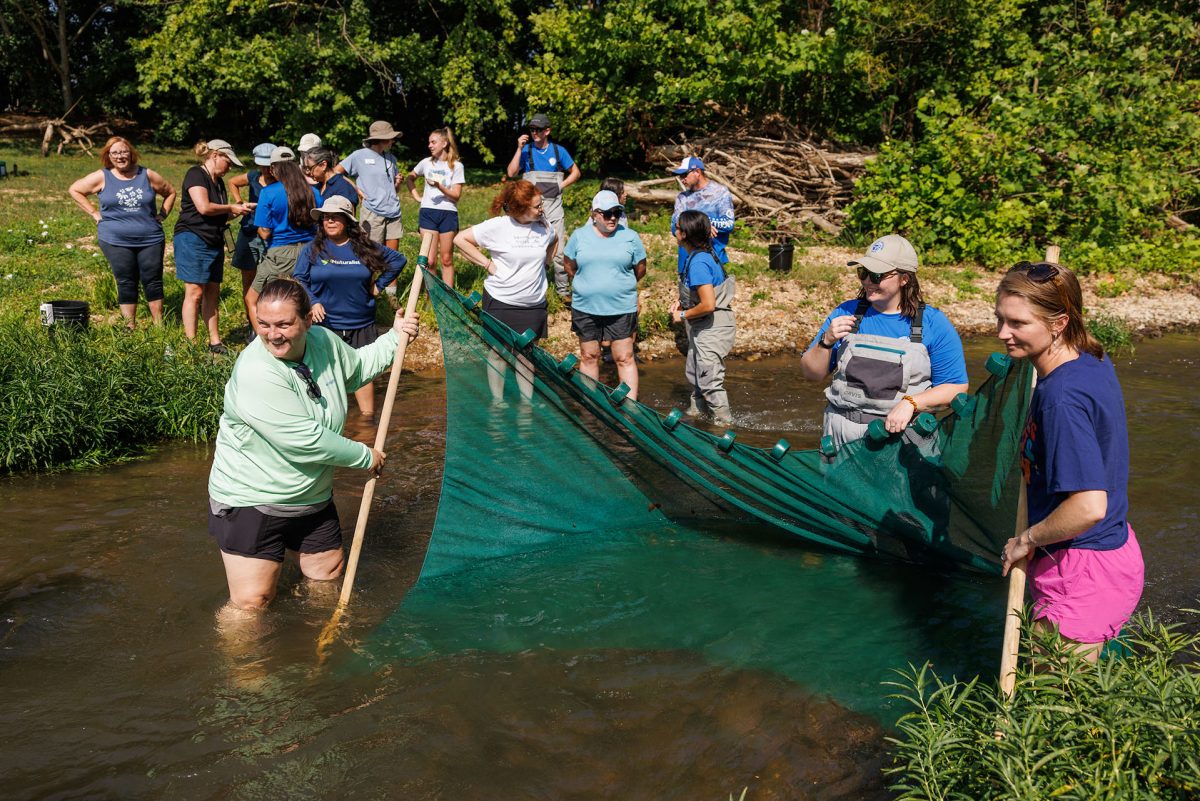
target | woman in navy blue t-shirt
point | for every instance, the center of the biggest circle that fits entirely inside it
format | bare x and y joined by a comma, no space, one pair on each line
1085,567
344,271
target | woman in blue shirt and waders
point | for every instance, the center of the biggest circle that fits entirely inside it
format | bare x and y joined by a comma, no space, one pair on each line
705,308
891,356
343,272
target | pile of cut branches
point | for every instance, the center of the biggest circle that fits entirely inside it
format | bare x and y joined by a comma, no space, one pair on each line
56,128
782,183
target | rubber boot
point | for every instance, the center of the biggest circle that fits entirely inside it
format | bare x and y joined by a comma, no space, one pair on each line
695,407
722,416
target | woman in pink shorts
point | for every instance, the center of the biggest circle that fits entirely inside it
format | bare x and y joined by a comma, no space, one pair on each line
1085,567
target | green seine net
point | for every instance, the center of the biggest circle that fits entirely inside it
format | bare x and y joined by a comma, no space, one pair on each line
579,460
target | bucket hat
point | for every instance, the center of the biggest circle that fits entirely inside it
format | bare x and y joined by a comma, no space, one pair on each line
381,131
334,204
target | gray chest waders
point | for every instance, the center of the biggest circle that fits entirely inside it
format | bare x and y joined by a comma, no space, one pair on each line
873,374
549,183
710,339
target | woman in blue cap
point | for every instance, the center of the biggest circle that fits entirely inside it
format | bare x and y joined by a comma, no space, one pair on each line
250,248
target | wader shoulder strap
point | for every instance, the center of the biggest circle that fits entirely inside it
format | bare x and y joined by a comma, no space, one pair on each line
558,164
859,311
918,327
527,157
687,265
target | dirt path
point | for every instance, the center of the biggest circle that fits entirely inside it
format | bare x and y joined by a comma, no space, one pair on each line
778,315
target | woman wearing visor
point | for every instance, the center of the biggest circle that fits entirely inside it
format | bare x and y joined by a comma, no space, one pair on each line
605,261
891,356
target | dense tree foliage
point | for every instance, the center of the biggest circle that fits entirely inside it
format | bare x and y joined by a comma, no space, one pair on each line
1002,124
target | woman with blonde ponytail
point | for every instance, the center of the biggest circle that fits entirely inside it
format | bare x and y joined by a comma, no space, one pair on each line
444,180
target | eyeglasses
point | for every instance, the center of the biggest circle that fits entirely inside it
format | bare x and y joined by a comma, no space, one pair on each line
1039,271
314,391
611,214
876,278
307,169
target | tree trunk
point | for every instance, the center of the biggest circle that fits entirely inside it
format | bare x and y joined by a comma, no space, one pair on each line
64,59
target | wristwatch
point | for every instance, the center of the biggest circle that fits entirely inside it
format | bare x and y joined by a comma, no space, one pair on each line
821,343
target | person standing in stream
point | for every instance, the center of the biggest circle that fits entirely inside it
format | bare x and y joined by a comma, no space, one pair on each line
548,166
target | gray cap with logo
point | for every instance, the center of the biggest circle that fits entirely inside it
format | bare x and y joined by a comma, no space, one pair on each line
891,252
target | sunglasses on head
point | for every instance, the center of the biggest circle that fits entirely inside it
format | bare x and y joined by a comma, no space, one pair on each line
1037,271
876,278
314,391
611,214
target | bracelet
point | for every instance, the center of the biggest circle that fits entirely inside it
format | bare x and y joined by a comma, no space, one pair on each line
821,343
909,398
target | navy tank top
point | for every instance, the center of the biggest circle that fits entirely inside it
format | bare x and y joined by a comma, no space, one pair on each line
127,211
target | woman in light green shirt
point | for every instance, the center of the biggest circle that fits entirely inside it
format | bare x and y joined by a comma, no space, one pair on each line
280,437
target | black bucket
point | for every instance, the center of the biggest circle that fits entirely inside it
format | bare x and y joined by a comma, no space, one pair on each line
779,256
65,314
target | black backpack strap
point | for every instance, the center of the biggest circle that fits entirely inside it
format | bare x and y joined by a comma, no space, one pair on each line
558,162
859,311
918,327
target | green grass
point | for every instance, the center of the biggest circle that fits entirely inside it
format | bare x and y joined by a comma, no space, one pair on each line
1114,334
1128,728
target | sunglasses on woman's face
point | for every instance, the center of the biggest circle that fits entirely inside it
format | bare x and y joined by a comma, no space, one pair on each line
1039,271
611,214
314,391
875,278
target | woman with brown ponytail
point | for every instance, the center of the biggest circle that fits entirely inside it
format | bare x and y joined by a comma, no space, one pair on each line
444,180
284,219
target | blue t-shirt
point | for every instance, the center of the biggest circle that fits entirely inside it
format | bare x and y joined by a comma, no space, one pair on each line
1075,440
272,212
939,338
339,186
605,282
376,176
701,268
341,283
552,158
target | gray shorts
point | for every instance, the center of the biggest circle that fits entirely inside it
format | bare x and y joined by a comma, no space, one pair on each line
380,228
279,261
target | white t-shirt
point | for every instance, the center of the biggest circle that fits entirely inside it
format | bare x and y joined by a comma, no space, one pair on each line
439,171
519,253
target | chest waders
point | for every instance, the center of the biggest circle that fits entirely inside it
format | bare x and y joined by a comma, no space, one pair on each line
549,183
873,374
709,339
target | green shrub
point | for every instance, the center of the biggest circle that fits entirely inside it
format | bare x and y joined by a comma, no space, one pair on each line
70,399
1127,728
1114,333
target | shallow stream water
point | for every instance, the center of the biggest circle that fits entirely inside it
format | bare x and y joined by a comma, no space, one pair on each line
716,662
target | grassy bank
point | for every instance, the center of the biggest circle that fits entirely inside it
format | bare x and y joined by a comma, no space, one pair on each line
1127,729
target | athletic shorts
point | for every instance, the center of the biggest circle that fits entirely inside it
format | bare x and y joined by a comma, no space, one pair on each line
249,249
380,228
279,262
443,221
1088,594
245,531
602,327
357,337
197,262
518,318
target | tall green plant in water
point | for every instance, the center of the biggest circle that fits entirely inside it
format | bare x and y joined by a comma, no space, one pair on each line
77,399
1127,728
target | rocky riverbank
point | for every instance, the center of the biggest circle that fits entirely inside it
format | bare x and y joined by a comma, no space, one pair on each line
778,313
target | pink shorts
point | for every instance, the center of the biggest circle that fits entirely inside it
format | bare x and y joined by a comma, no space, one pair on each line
1089,595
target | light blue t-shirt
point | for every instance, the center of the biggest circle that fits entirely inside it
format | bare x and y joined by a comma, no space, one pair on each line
939,338
701,269
272,212
605,282
376,177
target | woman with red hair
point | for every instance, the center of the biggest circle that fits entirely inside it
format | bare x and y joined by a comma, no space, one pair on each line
519,242
128,223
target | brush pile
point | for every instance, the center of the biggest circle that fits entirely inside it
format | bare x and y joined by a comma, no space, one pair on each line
782,182
58,128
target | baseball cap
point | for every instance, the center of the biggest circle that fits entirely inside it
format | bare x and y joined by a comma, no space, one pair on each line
262,154
891,252
221,146
282,153
605,200
688,164
308,142
539,121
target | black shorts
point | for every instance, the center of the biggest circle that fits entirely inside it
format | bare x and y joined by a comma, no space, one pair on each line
245,531
603,327
357,337
443,221
518,318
